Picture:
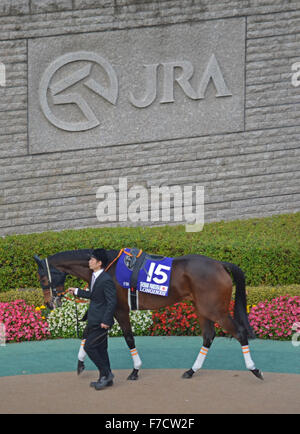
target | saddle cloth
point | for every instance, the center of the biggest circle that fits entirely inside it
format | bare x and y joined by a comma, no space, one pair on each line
137,270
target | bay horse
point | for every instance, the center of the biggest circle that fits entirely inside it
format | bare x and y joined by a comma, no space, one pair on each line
206,282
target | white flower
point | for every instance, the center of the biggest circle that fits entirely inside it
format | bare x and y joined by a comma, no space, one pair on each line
62,321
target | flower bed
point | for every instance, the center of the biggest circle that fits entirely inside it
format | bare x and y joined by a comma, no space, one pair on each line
270,319
63,323
141,322
175,320
23,322
275,319
180,319
62,320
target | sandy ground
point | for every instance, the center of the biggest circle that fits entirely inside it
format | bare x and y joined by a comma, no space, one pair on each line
156,392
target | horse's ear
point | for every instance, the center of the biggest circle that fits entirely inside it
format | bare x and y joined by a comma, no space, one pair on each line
38,261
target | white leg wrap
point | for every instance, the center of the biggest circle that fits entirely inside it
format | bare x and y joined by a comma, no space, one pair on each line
247,356
137,363
200,359
82,353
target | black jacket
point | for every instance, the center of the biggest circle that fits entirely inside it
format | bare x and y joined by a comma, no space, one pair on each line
103,301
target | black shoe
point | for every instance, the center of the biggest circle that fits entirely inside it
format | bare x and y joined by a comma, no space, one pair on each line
97,384
93,383
104,381
80,367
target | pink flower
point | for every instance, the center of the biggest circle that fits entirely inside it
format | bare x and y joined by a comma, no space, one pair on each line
22,322
275,318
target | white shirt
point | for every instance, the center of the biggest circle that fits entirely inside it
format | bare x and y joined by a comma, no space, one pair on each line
95,275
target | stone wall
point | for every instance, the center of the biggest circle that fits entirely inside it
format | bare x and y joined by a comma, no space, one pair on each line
249,169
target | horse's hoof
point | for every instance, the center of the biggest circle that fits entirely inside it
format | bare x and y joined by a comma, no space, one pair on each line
257,373
188,374
80,367
134,375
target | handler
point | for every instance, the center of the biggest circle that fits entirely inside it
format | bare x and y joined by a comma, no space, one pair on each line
103,296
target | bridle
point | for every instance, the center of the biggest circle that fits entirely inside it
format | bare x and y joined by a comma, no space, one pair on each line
55,297
50,279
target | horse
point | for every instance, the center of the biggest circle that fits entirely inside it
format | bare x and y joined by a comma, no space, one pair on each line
204,281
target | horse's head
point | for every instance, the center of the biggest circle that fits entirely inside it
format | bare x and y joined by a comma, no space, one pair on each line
52,282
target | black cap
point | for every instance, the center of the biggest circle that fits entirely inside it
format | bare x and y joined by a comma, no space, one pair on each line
100,255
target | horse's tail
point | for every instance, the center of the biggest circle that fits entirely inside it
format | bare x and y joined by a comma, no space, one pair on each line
240,305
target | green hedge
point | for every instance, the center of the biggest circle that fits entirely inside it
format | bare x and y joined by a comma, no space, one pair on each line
33,297
266,249
254,294
262,293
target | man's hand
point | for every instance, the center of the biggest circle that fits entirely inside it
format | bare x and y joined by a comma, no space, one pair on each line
104,326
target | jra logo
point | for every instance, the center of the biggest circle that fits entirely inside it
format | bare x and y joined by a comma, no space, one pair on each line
63,91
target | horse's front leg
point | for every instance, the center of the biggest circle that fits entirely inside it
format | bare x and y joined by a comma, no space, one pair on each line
122,316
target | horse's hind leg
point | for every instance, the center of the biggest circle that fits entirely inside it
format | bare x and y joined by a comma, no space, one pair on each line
124,322
240,333
208,332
